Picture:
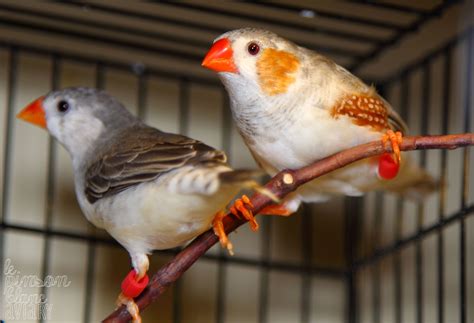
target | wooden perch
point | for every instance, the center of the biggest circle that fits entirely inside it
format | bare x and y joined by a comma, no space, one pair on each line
281,184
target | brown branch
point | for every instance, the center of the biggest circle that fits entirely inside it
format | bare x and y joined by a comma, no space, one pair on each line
281,184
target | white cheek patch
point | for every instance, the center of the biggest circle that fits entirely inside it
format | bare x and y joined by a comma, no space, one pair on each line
244,61
76,131
54,126
84,130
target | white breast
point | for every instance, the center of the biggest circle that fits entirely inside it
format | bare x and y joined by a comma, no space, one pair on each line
312,137
155,215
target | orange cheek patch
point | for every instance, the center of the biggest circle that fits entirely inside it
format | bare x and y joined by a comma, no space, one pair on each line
276,71
363,110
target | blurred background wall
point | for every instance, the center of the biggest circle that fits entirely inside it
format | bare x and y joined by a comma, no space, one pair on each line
371,259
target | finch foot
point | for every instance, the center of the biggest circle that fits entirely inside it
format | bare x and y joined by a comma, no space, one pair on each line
132,286
396,139
388,165
240,209
276,209
132,307
218,228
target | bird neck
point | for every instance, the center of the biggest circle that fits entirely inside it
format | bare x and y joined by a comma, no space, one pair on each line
97,133
257,114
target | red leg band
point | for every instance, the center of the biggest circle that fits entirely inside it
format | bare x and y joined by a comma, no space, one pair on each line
131,287
388,168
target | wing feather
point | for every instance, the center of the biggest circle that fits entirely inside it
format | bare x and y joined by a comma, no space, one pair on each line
142,155
362,103
396,122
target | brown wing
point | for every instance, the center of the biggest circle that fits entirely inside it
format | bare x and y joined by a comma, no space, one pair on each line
369,110
142,155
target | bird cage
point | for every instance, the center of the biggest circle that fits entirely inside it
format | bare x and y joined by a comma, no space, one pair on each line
376,258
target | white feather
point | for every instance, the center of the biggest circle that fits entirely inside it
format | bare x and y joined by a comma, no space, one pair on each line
161,214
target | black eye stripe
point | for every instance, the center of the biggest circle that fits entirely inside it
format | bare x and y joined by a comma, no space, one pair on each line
63,106
253,48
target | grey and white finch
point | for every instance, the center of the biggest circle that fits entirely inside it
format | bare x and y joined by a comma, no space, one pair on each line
294,106
149,189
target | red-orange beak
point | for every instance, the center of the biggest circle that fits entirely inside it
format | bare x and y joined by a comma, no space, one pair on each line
34,113
220,57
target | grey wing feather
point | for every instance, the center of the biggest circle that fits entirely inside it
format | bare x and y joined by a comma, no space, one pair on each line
144,155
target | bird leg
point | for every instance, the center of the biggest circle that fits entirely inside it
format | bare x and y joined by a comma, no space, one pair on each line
133,285
395,139
388,166
240,210
218,228
276,209
132,307
287,207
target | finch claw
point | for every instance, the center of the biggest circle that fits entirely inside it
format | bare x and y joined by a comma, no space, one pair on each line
120,300
240,208
395,139
132,307
218,227
234,211
276,209
246,200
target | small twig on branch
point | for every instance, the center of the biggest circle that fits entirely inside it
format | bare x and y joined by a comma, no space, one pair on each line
281,184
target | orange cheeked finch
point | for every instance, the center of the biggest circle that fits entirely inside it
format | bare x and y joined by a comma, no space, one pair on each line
294,106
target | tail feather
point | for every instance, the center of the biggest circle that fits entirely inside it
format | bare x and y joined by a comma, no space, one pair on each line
413,182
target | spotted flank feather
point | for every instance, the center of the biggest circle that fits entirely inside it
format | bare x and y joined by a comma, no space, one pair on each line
367,110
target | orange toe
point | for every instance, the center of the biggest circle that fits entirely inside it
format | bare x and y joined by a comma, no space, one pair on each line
218,227
240,209
395,139
276,209
132,307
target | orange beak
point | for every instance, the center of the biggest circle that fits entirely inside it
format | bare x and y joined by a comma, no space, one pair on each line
220,57
34,113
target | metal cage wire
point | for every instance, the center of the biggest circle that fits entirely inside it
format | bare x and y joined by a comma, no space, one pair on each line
363,252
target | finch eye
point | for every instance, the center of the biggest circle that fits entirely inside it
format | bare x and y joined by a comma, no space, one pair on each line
63,106
253,48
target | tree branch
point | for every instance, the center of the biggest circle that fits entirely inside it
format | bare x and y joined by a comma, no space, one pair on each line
281,184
